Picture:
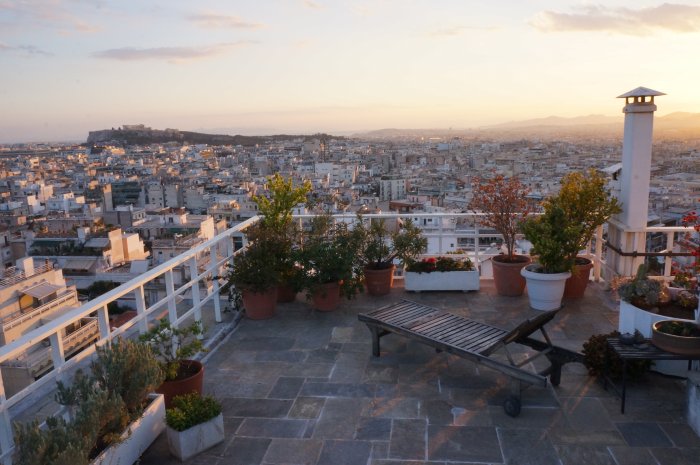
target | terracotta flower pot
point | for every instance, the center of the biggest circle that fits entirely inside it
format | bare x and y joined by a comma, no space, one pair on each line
260,305
190,378
327,297
506,275
577,283
285,293
379,282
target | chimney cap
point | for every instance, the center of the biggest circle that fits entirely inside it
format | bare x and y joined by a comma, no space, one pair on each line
641,92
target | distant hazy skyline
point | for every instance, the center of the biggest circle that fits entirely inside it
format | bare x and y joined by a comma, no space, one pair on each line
273,66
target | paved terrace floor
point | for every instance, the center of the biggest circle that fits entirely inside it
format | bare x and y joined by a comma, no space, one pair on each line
303,388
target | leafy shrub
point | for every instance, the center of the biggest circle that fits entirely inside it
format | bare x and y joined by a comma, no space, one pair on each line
595,351
102,404
190,410
172,345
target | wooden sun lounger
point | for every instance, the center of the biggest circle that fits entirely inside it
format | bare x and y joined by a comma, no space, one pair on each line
473,341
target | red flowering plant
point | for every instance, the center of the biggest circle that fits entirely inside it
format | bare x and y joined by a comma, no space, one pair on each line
692,220
430,264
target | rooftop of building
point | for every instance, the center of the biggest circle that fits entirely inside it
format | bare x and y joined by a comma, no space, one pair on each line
303,388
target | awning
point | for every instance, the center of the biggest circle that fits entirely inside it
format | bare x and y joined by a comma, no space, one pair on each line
41,290
82,264
97,243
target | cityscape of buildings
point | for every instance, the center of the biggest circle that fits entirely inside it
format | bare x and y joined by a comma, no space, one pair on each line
74,215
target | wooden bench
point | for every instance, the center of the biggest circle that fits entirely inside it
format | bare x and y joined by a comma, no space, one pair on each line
474,341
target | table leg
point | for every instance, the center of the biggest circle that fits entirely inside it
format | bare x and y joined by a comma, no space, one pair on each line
624,385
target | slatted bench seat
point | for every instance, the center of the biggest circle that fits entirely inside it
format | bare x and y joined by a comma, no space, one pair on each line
474,341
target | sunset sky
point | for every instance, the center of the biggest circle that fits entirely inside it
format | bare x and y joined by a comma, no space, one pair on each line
272,66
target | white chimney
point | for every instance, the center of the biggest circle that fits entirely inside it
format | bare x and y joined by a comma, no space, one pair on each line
636,156
26,264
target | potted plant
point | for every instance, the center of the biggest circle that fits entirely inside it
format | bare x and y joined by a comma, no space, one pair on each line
194,424
588,204
329,262
256,272
113,416
551,234
174,349
678,337
441,274
503,203
278,225
380,247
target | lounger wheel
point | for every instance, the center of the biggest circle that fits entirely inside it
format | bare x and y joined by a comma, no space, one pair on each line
512,406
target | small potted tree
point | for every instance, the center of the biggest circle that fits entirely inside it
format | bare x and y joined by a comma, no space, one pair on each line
503,203
280,230
380,247
174,349
256,272
194,424
330,262
588,204
551,234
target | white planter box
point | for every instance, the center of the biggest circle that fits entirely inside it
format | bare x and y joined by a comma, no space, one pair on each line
192,441
634,318
442,281
138,437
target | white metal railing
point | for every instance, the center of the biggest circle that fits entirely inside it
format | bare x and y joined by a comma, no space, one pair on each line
220,250
216,253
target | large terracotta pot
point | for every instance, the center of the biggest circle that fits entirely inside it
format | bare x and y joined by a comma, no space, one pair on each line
577,283
506,275
379,282
285,293
190,378
260,305
327,297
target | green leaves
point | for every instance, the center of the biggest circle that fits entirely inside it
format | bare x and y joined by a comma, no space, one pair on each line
191,409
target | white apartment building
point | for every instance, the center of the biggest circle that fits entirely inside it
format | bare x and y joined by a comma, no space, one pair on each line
30,295
392,188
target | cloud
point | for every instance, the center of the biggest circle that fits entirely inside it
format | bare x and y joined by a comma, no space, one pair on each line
643,21
217,21
23,50
170,54
313,5
50,14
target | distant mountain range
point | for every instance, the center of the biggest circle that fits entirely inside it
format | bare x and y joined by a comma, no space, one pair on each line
139,134
681,125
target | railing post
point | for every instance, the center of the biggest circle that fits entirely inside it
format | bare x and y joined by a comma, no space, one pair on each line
103,322
170,294
6,439
668,261
598,261
58,356
194,289
141,309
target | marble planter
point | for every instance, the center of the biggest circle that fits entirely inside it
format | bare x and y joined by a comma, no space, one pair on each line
138,436
442,281
186,444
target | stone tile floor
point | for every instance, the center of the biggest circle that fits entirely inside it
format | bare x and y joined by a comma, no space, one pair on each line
303,389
